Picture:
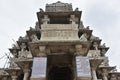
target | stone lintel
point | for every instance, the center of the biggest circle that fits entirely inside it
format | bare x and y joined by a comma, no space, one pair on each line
34,47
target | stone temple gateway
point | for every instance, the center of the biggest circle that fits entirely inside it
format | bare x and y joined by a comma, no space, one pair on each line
59,48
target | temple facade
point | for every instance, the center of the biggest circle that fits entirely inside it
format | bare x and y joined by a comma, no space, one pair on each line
59,47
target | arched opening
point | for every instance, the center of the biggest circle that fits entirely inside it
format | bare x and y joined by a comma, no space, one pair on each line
60,73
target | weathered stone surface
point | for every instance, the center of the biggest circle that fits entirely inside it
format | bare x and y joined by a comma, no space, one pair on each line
52,32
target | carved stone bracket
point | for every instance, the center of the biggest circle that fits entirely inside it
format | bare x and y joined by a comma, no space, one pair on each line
42,51
78,49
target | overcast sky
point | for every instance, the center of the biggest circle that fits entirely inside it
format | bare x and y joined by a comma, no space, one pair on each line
103,17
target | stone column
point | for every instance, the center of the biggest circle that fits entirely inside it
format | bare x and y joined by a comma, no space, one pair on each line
105,74
94,64
94,74
26,75
26,69
14,77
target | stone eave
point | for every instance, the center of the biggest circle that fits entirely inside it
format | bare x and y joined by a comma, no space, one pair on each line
116,73
81,31
12,49
100,48
109,68
24,41
85,31
98,41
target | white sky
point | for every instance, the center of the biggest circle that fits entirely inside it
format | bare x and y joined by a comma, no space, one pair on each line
103,17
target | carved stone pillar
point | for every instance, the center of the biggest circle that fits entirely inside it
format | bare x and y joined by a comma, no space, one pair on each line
94,64
14,77
26,74
105,70
105,74
94,74
25,66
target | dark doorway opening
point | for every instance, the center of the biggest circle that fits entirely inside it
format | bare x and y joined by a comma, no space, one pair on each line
60,73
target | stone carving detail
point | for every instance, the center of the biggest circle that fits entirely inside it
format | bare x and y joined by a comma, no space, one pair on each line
24,53
37,27
104,45
78,49
58,7
41,10
87,28
94,38
94,53
84,37
23,46
76,9
34,38
105,62
103,51
15,53
81,25
113,77
95,45
32,29
42,51
46,20
14,46
13,65
72,19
